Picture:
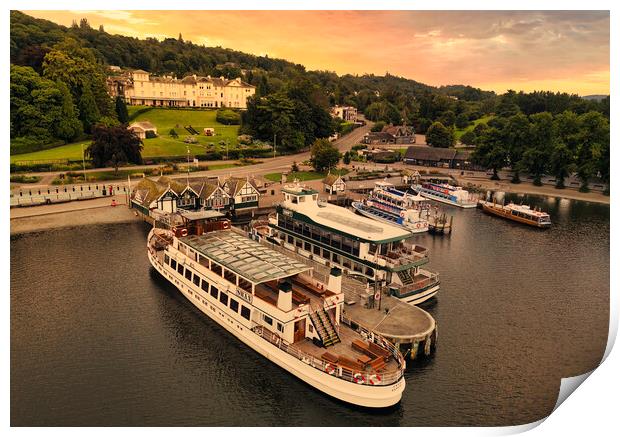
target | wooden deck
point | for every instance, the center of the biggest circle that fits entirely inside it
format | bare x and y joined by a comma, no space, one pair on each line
344,348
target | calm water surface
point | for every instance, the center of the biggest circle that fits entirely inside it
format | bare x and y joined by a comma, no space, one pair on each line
98,338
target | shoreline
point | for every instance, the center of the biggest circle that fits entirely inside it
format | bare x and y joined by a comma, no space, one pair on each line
68,215
529,188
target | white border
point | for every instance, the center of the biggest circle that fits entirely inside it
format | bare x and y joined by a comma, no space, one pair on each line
592,410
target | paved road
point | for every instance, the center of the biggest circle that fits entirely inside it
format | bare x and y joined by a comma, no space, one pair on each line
268,165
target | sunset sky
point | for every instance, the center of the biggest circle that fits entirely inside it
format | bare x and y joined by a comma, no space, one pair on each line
495,50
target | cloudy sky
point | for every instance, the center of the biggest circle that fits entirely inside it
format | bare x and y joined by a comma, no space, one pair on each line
496,50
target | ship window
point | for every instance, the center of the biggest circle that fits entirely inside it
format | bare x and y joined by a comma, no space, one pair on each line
180,269
214,291
188,274
234,305
268,320
197,280
224,298
317,250
307,246
280,327
245,312
294,199
205,285
173,263
166,259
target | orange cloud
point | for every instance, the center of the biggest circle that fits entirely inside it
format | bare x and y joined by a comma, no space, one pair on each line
528,50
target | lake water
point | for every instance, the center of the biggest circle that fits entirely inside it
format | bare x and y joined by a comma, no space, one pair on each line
98,338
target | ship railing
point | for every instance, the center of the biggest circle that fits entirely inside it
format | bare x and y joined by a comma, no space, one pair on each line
362,378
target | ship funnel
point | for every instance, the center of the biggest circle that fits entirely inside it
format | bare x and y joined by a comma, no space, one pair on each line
335,280
285,296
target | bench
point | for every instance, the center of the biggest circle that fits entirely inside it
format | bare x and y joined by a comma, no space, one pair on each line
362,347
308,287
377,364
328,356
352,364
379,351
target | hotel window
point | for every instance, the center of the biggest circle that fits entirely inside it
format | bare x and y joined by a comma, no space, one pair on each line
214,291
268,320
245,312
234,305
224,298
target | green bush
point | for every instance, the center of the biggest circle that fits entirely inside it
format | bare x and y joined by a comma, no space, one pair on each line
228,117
33,144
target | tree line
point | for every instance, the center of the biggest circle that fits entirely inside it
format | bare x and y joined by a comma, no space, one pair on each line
544,143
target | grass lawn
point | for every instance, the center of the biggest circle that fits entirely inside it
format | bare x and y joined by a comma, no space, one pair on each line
302,175
71,151
164,144
459,132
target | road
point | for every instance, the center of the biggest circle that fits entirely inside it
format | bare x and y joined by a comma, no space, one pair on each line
267,165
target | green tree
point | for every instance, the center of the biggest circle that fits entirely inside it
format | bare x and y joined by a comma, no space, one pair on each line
68,127
491,151
88,109
462,120
469,138
378,126
541,139
346,159
447,119
439,136
121,110
323,155
561,163
593,142
114,146
517,134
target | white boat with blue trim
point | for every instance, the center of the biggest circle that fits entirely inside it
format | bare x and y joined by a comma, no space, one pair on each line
387,204
446,193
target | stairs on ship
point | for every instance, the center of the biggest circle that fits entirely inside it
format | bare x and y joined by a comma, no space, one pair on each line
324,326
405,277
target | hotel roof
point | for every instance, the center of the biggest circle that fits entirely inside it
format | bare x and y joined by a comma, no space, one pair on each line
244,256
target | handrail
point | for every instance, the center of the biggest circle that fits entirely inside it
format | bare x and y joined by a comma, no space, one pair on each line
341,372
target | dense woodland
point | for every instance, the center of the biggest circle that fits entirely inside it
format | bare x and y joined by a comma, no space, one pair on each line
51,62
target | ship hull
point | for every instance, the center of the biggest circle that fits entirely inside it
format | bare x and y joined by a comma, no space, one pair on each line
446,201
422,296
413,229
489,209
357,394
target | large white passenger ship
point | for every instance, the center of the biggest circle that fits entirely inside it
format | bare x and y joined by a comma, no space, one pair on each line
337,237
273,304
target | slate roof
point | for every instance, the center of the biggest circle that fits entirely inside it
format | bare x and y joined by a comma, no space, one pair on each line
426,153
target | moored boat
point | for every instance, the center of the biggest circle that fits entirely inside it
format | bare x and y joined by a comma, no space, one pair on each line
273,304
445,193
389,205
336,236
518,213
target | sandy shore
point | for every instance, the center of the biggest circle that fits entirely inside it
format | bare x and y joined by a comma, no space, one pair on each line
529,188
87,212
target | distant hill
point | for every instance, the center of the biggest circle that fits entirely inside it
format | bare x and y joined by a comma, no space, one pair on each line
596,97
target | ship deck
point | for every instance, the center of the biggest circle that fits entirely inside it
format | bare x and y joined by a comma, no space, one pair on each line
344,348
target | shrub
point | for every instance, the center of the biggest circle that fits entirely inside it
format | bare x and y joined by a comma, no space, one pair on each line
378,127
228,117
